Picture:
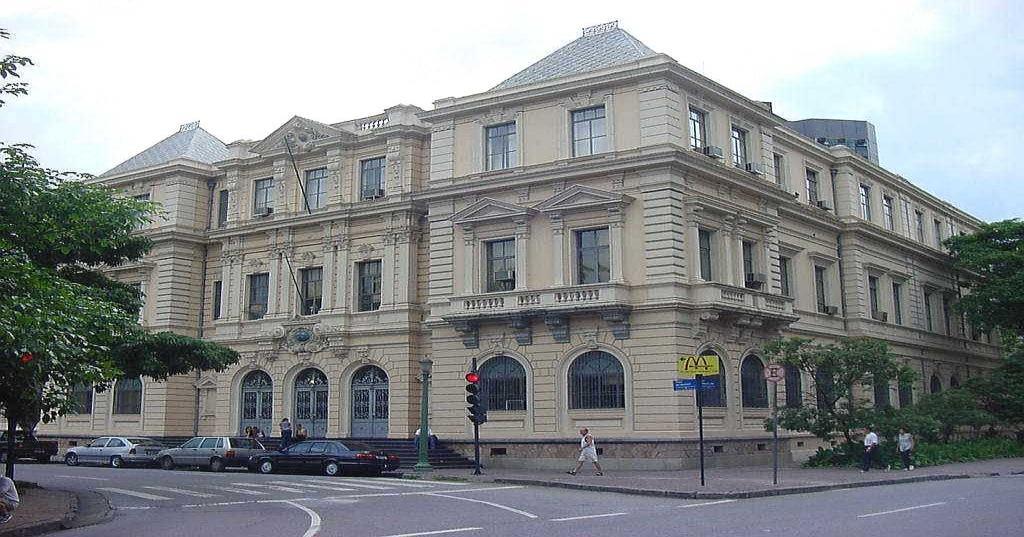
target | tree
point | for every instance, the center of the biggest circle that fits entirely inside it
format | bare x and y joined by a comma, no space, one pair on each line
1001,392
993,260
63,321
838,369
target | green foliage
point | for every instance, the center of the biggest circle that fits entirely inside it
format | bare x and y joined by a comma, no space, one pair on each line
1001,393
953,410
993,257
925,454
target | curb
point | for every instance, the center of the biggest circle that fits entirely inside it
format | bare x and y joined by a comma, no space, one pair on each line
87,508
689,495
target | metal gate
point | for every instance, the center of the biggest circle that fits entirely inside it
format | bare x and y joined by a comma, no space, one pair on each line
257,403
370,403
311,402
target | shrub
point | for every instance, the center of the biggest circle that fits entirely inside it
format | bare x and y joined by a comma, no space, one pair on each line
925,454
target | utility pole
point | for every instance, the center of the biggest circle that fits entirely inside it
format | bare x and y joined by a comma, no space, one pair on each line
423,465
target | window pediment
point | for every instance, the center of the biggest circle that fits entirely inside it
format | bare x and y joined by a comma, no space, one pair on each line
491,210
582,198
305,131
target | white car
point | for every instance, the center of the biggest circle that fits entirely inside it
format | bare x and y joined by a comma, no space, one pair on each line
117,451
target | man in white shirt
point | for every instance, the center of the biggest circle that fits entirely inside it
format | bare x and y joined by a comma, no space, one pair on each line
9,499
588,452
870,450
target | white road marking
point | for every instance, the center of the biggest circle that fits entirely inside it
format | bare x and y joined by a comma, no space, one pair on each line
133,508
314,518
395,482
438,532
901,510
218,504
306,485
126,492
566,519
239,491
84,477
271,487
182,491
705,503
386,494
474,500
349,484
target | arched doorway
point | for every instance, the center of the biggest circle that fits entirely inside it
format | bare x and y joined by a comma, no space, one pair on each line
257,402
311,402
370,403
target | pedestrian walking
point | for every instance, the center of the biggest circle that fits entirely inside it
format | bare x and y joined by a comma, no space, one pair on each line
905,443
588,452
300,433
286,433
9,499
870,450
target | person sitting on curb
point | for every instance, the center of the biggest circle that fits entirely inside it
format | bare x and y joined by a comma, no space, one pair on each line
9,499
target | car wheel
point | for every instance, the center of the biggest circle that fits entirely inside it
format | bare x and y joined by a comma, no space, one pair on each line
116,462
332,469
167,463
71,459
217,465
266,467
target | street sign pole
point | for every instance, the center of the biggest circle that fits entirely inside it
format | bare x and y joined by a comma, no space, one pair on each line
700,424
775,433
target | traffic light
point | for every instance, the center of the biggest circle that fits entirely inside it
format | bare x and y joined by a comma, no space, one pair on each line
477,412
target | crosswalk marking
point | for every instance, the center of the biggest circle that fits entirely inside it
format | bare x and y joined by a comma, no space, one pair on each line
240,491
348,483
396,482
182,491
322,487
271,487
134,493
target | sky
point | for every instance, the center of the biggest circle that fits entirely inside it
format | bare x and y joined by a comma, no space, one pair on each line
942,81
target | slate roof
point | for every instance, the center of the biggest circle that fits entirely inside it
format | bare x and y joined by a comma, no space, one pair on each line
588,53
193,144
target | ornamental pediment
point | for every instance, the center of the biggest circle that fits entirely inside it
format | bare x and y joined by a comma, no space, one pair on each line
490,210
582,198
303,133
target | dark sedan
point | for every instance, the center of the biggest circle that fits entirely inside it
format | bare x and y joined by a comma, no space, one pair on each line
328,457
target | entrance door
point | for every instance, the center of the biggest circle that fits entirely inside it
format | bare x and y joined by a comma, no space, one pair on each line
370,403
257,403
311,402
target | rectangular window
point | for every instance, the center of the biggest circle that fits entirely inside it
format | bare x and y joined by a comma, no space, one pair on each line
501,265
819,288
873,295
259,289
748,259
369,285
501,146
952,229
704,240
812,187
263,194
698,129
217,290
739,147
865,202
784,275
937,227
312,290
780,166
946,319
905,206
919,224
593,257
316,188
588,132
887,215
371,178
897,302
928,312
222,208
143,198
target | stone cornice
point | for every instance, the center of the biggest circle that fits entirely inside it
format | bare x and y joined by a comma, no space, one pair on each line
175,167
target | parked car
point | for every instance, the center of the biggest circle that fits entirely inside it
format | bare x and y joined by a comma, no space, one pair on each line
28,447
211,452
325,456
117,451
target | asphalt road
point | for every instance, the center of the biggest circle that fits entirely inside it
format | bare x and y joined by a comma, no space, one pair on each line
191,503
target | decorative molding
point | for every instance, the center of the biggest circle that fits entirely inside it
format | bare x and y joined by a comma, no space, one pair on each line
582,198
491,210
303,132
558,324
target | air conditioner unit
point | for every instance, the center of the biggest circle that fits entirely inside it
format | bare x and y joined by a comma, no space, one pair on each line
713,151
880,316
263,211
504,275
831,310
825,205
754,168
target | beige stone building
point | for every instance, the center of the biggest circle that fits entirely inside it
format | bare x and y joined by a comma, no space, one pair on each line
574,230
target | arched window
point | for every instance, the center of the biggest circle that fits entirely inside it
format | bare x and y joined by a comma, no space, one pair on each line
906,394
596,381
882,394
752,384
128,396
794,387
81,398
936,384
503,383
716,398
954,382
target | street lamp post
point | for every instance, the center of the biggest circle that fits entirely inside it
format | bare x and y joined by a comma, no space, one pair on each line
423,465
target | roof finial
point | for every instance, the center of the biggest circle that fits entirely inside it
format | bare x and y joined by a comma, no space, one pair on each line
600,28
189,126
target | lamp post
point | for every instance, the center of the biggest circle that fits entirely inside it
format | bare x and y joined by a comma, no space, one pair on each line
423,465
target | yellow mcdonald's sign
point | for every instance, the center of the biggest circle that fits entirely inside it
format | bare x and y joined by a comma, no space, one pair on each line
689,366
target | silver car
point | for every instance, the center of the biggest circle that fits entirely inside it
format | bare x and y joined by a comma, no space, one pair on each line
211,452
117,451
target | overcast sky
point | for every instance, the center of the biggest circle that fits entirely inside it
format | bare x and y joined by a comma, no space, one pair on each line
943,82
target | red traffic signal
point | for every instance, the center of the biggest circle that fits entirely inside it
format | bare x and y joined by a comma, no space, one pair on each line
26,357
472,377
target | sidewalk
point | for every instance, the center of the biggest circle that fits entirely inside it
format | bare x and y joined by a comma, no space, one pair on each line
47,510
745,482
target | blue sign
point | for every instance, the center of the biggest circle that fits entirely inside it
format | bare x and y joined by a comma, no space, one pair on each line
691,384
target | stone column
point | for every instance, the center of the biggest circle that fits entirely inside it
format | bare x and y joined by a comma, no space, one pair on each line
557,250
693,243
387,272
226,288
522,247
615,243
341,283
468,259
277,268
327,283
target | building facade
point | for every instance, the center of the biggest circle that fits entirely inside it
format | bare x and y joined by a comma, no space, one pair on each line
857,135
573,231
